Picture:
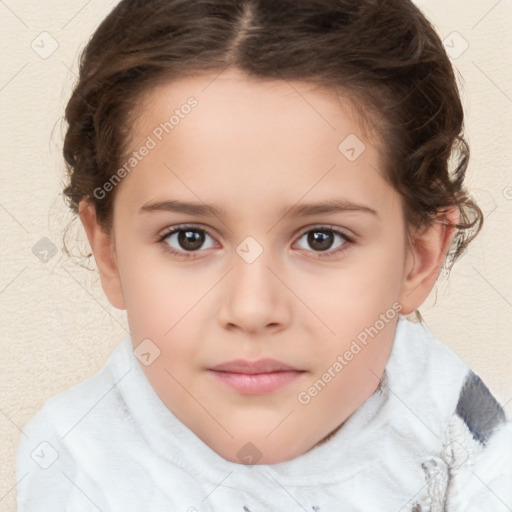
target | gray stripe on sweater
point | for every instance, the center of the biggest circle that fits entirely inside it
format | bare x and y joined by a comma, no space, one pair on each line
479,409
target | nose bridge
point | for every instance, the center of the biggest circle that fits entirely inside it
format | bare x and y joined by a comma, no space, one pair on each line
252,278
255,298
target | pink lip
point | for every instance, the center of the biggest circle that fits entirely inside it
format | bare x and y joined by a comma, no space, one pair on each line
255,377
251,367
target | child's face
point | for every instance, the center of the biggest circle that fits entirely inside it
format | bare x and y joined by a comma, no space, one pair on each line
257,152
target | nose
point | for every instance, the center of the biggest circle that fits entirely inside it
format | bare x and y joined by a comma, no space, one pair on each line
254,299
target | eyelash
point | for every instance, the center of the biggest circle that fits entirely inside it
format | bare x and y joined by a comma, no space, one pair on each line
193,254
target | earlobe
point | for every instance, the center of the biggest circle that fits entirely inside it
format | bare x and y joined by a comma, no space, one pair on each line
102,245
425,257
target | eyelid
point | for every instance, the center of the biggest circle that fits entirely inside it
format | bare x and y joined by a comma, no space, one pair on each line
349,238
162,235
328,227
179,227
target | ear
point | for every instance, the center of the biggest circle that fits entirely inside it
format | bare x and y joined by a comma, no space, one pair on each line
425,257
102,245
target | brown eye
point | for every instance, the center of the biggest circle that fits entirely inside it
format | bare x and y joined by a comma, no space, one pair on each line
323,239
320,240
190,240
186,239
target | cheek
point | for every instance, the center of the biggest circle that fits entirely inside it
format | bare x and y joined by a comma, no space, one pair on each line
358,303
164,303
366,287
150,292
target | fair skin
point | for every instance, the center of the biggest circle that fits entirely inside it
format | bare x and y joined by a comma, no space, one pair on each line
254,149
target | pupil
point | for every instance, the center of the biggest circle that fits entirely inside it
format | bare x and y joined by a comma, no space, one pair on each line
190,240
320,240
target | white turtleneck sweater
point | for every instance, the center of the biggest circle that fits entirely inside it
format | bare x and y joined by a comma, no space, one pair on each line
430,439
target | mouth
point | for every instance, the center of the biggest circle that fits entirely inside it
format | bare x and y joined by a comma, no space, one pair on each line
256,377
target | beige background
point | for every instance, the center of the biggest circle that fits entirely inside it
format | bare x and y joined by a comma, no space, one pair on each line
57,328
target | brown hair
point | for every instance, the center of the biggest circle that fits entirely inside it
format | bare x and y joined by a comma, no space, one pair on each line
382,54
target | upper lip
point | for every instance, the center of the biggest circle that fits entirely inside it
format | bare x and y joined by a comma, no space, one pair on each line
253,367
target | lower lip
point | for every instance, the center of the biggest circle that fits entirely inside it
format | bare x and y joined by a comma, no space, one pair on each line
258,383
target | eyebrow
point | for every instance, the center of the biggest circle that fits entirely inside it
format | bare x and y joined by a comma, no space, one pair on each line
299,210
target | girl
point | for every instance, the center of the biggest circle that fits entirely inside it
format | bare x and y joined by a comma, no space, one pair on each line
266,190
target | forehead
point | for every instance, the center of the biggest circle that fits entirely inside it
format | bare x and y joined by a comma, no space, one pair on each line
250,95
235,137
